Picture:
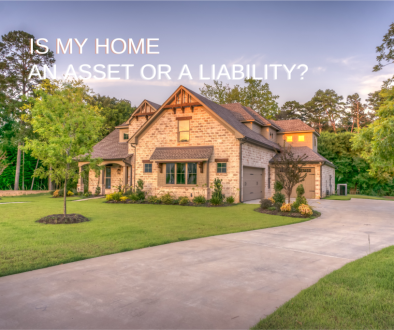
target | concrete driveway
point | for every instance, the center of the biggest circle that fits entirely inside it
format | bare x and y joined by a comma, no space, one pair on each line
221,282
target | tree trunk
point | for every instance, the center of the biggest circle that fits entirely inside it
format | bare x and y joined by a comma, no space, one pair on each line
32,182
65,197
23,170
18,167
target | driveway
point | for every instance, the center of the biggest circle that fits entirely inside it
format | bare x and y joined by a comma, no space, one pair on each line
221,282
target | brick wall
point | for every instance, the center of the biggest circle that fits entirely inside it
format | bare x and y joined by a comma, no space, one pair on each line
327,171
204,130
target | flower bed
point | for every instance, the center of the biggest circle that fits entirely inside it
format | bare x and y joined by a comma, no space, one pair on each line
206,204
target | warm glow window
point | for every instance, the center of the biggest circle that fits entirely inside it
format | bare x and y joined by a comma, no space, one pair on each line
183,130
289,139
301,138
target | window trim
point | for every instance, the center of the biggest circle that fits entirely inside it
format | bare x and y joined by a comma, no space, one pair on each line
221,167
125,138
179,131
151,168
108,177
186,175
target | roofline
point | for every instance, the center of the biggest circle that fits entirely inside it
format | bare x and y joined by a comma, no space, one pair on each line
310,131
261,144
179,160
323,162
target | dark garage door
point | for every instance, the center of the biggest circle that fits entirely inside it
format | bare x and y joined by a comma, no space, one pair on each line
253,180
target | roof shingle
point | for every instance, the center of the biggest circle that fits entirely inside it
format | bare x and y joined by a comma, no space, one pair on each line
312,156
169,153
292,125
110,147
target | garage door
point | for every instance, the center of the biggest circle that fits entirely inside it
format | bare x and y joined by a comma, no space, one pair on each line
309,184
253,180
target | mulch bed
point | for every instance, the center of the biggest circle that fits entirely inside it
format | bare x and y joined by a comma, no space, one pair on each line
57,219
288,214
190,204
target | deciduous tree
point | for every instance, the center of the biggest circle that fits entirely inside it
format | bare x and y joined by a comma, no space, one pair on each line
385,50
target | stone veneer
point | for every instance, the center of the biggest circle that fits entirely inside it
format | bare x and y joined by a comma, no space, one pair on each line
204,131
327,171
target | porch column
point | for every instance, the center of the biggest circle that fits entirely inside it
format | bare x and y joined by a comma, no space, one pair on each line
80,180
125,168
102,187
130,173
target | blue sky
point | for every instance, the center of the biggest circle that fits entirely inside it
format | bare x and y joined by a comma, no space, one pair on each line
337,41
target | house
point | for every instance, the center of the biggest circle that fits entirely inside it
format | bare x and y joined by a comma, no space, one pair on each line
182,145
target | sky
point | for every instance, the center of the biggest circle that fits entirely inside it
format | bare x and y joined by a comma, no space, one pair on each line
336,40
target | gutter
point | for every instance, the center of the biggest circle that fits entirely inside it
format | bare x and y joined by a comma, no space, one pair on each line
241,142
267,146
321,180
135,161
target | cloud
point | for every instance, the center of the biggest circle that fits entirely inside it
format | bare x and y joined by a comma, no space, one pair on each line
319,69
369,83
140,82
345,61
243,60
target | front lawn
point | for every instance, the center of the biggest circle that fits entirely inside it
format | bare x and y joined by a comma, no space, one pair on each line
360,295
27,245
349,197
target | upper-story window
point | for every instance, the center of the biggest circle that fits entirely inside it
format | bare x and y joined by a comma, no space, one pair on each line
183,130
271,135
289,138
301,138
125,136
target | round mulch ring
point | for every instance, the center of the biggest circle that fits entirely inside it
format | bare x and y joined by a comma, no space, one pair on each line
56,219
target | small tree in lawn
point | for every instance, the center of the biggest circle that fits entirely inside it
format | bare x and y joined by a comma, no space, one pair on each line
3,161
288,168
67,127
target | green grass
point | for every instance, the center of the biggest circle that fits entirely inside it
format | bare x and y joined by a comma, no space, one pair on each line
27,245
349,197
360,295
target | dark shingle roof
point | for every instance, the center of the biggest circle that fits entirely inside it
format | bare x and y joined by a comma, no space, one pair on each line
243,113
292,125
312,156
182,153
153,104
229,117
110,148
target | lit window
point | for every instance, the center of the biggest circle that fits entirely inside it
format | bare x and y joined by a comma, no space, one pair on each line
148,168
301,138
183,130
289,139
125,136
271,135
222,168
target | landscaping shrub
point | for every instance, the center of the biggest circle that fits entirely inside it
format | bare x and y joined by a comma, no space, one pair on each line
266,203
300,197
70,193
87,194
153,199
215,200
278,197
285,207
60,192
183,200
55,193
167,199
123,198
175,201
114,196
272,208
217,190
305,209
134,197
272,200
230,200
139,190
199,200
109,197
98,191
51,192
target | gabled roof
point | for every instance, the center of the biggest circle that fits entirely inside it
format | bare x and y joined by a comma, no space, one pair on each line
110,147
312,156
293,125
174,153
243,113
127,122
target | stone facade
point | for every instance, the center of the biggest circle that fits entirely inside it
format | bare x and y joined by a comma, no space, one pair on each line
204,131
328,180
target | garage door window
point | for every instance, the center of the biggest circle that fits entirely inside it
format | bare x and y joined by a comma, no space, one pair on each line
222,168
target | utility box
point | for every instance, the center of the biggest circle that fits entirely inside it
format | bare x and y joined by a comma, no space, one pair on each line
342,189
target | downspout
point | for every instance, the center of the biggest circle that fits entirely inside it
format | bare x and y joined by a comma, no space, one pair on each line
321,180
208,188
135,162
240,171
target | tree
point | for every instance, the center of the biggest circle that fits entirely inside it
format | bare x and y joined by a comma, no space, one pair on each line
254,94
288,169
67,128
331,103
385,50
356,109
113,110
291,110
3,161
376,142
315,114
16,62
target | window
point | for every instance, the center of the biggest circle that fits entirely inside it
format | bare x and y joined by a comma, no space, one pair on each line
271,135
148,168
192,173
125,136
183,130
170,173
222,168
186,173
301,138
180,173
108,178
289,138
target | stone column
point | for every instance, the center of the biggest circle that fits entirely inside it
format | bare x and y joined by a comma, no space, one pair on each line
125,168
80,180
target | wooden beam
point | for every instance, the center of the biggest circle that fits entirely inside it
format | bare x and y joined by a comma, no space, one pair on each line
160,167
201,166
147,162
184,118
144,114
221,160
171,106
174,110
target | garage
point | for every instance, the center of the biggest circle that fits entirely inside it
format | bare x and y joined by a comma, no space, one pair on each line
309,184
253,183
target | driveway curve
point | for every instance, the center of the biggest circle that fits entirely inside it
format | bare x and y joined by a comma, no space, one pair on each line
220,282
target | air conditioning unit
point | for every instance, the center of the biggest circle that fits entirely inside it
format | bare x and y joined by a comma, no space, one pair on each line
342,189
